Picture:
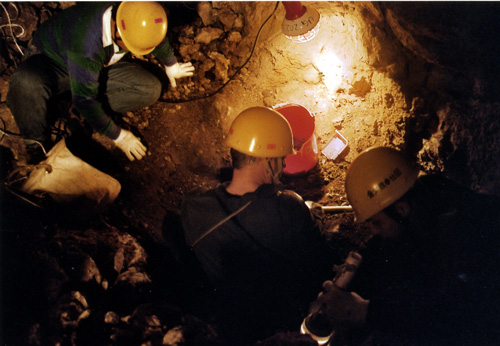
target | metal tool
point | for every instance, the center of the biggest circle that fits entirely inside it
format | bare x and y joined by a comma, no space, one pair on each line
328,209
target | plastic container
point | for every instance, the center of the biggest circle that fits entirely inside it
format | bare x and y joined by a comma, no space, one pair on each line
336,148
303,126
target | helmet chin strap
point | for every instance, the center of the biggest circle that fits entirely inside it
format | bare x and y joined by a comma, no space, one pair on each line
275,176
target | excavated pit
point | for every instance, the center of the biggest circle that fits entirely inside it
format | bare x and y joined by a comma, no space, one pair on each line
421,77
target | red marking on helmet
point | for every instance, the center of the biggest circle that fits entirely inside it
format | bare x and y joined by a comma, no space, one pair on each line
158,20
123,25
271,146
231,131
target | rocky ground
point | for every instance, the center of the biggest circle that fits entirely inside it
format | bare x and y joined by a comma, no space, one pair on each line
377,74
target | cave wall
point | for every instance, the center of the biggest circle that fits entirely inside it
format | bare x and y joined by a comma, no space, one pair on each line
443,58
449,52
423,78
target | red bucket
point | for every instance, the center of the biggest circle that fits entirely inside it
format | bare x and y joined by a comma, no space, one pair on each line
304,139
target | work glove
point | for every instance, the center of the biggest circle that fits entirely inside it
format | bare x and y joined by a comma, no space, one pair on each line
179,71
130,145
345,309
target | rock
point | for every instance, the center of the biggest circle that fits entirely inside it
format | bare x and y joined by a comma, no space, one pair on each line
382,50
243,51
198,56
111,317
187,50
206,13
134,277
4,87
90,270
311,75
388,100
227,17
239,23
207,35
221,66
27,19
267,93
173,337
234,36
188,31
119,260
71,309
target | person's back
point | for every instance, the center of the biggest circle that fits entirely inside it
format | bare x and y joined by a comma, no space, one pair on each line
75,31
257,243
267,262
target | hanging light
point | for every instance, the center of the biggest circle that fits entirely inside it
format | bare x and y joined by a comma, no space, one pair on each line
301,23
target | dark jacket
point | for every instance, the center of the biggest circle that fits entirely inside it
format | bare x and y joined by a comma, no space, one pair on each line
440,283
266,263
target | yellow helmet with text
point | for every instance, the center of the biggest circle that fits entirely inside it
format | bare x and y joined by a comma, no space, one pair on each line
261,132
142,25
378,177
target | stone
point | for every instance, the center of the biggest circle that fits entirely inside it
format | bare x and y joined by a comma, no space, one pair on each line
206,13
207,35
234,36
227,17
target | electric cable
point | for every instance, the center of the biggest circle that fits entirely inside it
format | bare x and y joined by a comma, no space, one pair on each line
234,74
8,133
2,130
8,182
26,140
7,187
10,25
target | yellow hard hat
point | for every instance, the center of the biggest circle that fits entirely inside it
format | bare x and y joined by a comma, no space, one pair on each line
376,178
261,132
142,25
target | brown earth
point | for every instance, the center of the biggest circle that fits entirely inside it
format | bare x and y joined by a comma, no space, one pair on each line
376,73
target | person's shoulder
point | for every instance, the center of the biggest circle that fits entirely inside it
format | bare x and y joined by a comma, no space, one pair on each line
201,192
279,192
291,200
198,199
290,195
